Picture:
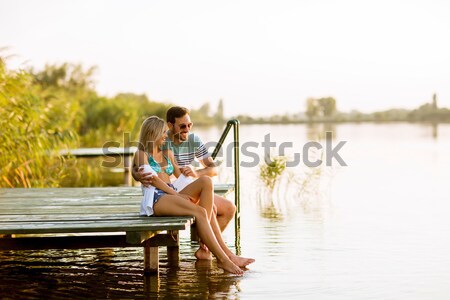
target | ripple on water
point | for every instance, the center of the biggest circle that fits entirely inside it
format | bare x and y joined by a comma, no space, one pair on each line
109,273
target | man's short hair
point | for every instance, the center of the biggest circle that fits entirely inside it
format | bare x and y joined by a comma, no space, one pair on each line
176,112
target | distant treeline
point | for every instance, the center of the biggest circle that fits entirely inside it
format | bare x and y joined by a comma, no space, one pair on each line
325,110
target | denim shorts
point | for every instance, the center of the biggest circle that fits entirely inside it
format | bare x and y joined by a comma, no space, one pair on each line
159,193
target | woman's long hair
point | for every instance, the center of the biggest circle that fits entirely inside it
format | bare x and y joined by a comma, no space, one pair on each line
152,129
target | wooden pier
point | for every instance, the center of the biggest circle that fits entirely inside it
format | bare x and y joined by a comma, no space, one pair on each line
78,218
124,153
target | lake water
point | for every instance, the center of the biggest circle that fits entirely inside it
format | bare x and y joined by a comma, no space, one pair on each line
378,228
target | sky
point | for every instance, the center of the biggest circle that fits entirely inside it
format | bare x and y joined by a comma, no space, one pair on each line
260,57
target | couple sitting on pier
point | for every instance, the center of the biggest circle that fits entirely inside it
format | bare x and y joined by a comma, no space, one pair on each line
154,163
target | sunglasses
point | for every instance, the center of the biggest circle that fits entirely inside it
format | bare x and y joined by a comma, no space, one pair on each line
184,126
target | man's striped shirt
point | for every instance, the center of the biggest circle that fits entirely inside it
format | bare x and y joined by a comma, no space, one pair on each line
186,152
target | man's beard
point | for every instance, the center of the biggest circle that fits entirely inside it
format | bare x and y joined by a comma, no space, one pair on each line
179,137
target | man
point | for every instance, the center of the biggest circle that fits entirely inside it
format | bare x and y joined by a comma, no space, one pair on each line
186,147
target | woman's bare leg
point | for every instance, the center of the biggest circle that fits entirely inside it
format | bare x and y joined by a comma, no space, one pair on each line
238,260
202,189
203,251
169,205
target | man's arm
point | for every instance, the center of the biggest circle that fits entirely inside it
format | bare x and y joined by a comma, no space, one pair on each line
134,172
209,169
139,174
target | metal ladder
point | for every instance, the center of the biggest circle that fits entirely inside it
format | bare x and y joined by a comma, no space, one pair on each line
237,218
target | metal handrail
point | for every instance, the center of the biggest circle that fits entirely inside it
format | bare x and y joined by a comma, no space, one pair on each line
237,199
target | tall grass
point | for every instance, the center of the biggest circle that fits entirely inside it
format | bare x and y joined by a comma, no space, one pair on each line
30,137
43,112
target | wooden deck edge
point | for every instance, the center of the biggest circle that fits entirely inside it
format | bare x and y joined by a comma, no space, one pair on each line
81,242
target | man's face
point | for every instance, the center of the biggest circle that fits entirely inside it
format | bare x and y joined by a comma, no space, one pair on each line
182,127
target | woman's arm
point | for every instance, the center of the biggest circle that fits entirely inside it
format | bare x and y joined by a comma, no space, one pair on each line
176,168
141,158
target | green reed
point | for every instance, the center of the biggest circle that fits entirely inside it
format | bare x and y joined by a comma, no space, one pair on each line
271,171
31,137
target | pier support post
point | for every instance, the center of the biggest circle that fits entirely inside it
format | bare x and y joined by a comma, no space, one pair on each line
151,285
127,170
194,234
151,259
173,251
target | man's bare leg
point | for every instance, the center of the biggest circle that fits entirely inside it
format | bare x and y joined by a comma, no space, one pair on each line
225,211
238,260
203,252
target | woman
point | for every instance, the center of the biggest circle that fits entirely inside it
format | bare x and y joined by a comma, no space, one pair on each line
196,199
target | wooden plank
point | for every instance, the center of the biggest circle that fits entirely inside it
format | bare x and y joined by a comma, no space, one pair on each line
75,227
23,200
80,200
80,242
164,240
91,217
170,240
62,205
68,242
223,189
55,210
138,237
45,218
97,152
141,220
71,193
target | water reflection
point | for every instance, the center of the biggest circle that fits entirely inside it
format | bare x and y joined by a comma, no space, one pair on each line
434,130
200,279
110,273
151,285
269,210
317,131
305,188
217,287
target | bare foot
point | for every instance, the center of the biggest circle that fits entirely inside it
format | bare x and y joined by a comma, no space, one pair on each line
203,253
229,266
203,264
241,261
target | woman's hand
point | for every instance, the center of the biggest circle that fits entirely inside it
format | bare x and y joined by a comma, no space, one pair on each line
145,178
